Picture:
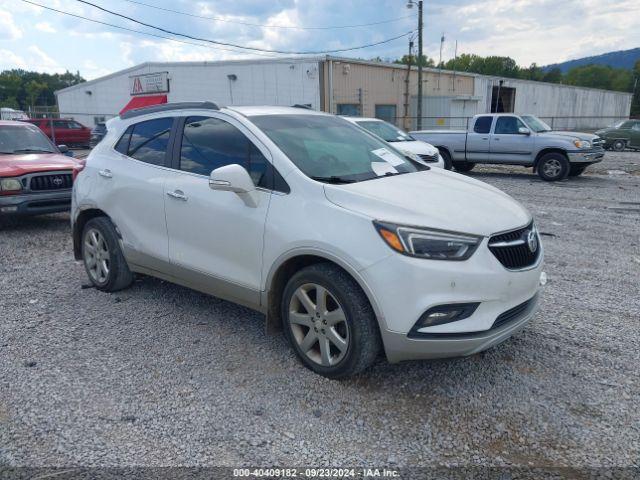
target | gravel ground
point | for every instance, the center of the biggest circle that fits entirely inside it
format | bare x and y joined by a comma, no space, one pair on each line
161,375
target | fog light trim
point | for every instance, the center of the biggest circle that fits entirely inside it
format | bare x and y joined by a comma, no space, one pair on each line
441,314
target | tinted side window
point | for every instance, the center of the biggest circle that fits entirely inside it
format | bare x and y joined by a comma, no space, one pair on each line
483,124
149,141
210,143
508,125
123,144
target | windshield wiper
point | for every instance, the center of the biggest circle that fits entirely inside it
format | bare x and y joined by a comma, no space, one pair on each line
26,150
334,179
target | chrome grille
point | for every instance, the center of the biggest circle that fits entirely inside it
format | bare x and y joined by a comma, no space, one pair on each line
58,181
428,158
514,250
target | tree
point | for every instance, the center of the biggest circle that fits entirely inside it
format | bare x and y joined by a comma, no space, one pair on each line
13,85
553,76
413,59
33,90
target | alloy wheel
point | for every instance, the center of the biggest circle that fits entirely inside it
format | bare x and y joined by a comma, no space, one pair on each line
96,256
319,325
552,168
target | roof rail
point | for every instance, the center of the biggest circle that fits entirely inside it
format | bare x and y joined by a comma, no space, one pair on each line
300,105
166,107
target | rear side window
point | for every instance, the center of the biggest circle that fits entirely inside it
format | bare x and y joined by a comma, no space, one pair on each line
123,144
483,124
210,143
149,140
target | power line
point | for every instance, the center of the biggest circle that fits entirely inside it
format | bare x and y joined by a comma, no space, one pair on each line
228,44
145,33
219,19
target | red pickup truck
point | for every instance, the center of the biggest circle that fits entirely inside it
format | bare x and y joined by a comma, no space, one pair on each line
65,131
35,175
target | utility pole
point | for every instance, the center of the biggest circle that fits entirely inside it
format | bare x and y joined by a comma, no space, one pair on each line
419,123
407,80
410,4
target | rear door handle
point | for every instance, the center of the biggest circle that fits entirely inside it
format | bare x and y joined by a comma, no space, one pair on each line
179,194
105,173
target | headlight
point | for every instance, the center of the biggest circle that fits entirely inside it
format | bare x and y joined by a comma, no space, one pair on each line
8,185
582,143
426,243
411,155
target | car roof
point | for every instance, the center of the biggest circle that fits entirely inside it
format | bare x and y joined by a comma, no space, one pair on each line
367,119
250,111
13,122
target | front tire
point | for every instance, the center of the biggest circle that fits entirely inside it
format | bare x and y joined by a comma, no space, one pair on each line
619,146
329,322
463,167
553,167
446,158
102,257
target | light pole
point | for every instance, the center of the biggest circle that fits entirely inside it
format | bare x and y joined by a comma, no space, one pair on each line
410,5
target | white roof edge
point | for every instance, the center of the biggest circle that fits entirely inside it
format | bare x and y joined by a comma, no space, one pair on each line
201,63
318,58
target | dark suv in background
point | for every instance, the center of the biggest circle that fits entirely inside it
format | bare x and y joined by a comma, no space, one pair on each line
97,134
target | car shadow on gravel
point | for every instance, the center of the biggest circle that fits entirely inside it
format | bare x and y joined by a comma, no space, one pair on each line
53,222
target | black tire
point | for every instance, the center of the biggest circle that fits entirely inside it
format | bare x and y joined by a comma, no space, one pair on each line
553,167
360,325
448,164
463,166
618,145
576,170
118,275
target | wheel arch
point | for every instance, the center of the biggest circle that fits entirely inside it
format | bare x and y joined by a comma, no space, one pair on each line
290,263
78,226
545,151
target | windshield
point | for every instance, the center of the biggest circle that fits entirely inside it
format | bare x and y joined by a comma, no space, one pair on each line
23,139
536,124
331,149
385,131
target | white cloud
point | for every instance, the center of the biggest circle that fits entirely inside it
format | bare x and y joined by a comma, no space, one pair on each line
9,60
8,28
45,27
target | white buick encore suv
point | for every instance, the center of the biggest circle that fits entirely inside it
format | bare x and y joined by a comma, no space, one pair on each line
348,246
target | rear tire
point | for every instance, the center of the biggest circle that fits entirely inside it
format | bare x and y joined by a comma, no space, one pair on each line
329,322
463,167
102,257
576,170
619,146
553,167
446,158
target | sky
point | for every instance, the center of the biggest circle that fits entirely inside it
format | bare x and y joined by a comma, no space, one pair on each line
540,31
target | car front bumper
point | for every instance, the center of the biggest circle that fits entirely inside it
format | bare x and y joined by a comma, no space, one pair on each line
589,156
406,287
35,203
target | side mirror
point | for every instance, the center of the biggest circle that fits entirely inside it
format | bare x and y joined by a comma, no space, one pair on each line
524,131
65,150
231,178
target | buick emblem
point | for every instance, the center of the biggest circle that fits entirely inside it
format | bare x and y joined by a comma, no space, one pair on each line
532,241
57,181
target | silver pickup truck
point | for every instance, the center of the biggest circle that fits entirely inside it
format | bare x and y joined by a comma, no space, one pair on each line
510,139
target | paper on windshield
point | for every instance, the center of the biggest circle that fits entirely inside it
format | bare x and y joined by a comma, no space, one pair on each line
382,168
387,156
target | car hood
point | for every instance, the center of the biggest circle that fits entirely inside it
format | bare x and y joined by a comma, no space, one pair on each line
418,147
435,198
571,135
15,165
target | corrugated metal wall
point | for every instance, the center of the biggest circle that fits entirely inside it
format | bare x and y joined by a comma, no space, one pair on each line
258,83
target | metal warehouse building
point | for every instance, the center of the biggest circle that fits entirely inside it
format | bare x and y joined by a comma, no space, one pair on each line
342,86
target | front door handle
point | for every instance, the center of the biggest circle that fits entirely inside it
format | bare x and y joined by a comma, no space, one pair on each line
179,194
106,173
